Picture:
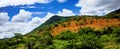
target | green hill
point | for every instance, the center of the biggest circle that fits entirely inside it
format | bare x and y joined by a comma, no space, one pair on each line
85,38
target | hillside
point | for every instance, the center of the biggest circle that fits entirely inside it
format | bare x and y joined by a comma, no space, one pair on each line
75,25
75,32
115,14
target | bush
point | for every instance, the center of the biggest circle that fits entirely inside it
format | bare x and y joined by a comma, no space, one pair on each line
45,39
48,28
55,24
68,23
77,18
82,23
3,45
18,35
116,31
85,30
108,38
64,25
108,30
91,21
66,35
90,41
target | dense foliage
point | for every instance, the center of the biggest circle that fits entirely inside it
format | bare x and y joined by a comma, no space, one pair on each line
85,38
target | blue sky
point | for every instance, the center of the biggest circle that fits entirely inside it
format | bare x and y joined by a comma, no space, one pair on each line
52,7
18,16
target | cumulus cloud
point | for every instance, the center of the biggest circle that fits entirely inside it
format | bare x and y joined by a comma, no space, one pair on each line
5,3
18,24
23,16
9,28
36,20
61,1
3,18
97,7
65,12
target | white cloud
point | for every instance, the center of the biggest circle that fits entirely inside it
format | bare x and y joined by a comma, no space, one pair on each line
61,1
5,3
65,12
28,7
97,7
31,6
3,18
23,16
8,29
18,24
38,13
36,20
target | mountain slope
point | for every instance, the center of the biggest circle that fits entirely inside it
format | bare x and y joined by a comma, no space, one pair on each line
76,32
53,19
114,14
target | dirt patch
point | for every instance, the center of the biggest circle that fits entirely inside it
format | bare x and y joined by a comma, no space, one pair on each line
97,24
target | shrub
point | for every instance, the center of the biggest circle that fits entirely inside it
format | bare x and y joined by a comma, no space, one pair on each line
3,45
56,25
48,28
108,30
90,41
66,35
108,38
82,23
64,25
45,39
91,20
68,23
18,35
116,31
85,30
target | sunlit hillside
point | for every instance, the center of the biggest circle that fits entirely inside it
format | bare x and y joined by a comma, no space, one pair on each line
74,32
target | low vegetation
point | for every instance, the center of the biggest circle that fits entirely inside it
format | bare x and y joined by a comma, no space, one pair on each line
85,38
46,37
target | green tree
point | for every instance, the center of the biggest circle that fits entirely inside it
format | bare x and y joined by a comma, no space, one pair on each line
18,35
3,45
89,41
45,39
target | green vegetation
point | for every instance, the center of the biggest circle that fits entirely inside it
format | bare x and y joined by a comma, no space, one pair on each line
114,14
84,38
82,23
63,24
